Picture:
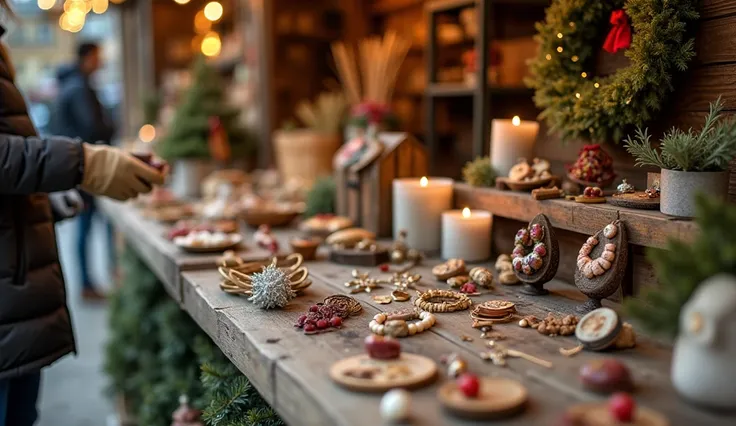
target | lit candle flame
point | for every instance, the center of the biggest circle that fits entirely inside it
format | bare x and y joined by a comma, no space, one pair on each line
466,212
516,121
423,182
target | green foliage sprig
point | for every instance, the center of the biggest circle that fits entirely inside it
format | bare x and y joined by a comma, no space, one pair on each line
231,399
479,172
579,105
321,198
684,265
188,133
711,149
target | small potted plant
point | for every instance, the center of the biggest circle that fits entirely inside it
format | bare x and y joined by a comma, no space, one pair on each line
691,161
306,153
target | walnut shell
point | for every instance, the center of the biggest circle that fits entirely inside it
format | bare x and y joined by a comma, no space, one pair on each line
521,171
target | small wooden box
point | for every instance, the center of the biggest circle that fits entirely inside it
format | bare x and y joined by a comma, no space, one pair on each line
364,190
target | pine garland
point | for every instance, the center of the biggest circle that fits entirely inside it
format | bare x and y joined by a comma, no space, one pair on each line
231,399
579,105
684,265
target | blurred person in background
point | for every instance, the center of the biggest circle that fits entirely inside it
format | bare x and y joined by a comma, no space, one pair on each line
78,113
35,327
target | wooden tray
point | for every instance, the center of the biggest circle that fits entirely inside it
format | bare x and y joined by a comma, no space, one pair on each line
633,201
358,257
526,186
498,398
422,371
535,282
273,218
597,414
212,249
605,285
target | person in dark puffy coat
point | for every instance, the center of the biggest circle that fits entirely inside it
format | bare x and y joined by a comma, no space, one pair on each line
35,328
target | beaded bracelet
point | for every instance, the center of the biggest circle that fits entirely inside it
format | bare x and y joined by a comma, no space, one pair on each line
395,324
438,300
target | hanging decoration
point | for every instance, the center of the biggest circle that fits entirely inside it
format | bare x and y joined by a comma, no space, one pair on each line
620,35
576,103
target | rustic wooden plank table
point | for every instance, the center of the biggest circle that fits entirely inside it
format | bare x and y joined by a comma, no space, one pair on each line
290,368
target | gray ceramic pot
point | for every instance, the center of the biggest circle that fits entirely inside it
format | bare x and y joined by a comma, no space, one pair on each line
187,176
678,190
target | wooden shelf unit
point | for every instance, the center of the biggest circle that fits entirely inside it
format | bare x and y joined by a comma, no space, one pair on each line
488,100
645,228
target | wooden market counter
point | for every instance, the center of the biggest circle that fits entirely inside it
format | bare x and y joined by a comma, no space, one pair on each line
290,369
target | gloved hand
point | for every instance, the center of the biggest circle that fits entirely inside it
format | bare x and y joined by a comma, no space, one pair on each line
66,204
116,174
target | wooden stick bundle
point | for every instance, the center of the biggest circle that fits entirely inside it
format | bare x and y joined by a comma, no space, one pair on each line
374,76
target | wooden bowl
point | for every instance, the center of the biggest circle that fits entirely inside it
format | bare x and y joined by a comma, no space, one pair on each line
307,247
273,218
526,186
597,413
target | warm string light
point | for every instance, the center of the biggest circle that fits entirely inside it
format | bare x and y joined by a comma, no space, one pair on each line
549,57
213,11
46,4
559,49
516,121
575,58
584,74
211,44
559,35
596,85
577,95
75,11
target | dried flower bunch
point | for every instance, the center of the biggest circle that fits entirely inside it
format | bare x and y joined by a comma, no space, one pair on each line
323,115
709,150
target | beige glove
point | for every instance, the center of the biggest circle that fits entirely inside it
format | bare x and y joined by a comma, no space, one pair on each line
113,173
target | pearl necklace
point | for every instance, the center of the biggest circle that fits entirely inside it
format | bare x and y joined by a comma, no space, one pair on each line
395,324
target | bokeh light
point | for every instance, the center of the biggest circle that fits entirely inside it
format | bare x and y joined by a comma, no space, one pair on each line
213,11
211,44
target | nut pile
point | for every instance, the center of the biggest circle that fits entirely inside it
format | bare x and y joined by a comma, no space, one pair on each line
505,270
551,325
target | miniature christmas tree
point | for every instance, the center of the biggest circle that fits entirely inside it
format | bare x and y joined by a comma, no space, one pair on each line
189,133
684,265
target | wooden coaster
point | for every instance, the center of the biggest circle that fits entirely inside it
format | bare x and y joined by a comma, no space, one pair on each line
498,397
590,200
597,414
361,373
599,329
634,201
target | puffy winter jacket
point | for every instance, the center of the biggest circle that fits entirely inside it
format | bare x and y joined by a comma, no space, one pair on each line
35,328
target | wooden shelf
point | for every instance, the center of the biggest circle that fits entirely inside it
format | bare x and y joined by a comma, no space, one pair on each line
387,7
450,90
645,228
439,6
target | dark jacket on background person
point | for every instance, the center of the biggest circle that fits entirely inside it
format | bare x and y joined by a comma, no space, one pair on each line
35,327
77,112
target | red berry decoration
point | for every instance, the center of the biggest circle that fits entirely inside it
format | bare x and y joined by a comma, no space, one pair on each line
469,385
384,267
310,328
588,192
468,288
336,321
322,324
622,407
302,319
314,308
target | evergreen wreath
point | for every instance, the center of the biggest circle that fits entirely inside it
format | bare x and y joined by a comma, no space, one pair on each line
578,105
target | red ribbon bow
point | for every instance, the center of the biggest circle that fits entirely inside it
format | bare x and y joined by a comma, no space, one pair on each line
620,35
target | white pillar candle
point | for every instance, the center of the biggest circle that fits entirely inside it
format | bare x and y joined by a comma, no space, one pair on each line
418,206
511,140
466,234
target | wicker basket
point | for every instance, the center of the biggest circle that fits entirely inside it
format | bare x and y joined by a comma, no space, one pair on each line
304,154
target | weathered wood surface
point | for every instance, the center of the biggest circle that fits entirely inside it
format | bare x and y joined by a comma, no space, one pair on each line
290,368
646,228
167,261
